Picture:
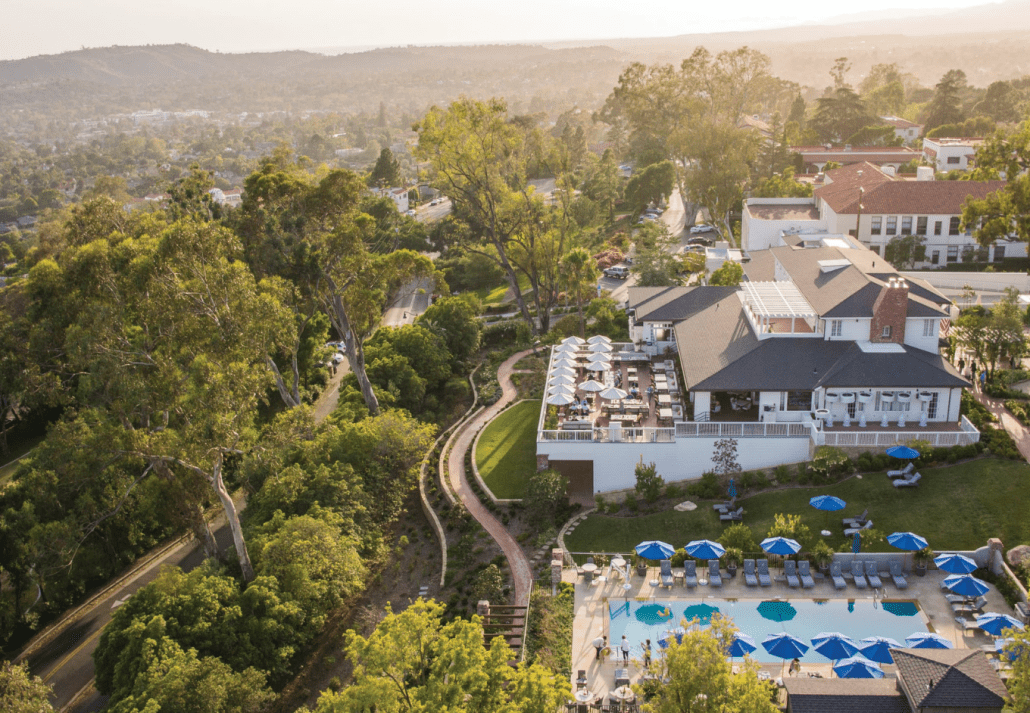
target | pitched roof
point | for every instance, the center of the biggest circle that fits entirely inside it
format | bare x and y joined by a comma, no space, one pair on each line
713,338
841,695
949,678
915,368
668,304
842,184
899,123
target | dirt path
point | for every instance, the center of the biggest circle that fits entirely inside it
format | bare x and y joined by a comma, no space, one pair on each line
522,575
1009,422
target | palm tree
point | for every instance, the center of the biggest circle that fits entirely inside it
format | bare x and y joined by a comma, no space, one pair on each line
579,274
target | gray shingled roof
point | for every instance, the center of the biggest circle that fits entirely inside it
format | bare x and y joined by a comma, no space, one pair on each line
644,300
774,364
673,307
949,678
914,369
840,695
713,339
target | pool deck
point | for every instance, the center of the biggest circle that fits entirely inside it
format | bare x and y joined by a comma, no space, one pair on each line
591,599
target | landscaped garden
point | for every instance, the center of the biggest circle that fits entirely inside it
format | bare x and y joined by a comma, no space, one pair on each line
955,507
506,454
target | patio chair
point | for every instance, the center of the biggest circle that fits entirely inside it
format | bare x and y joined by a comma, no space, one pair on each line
621,677
857,571
962,599
763,573
790,568
856,521
725,507
589,575
836,576
750,579
872,575
967,624
903,473
973,606
852,530
690,573
897,575
714,578
581,679
805,572
733,515
666,573
910,482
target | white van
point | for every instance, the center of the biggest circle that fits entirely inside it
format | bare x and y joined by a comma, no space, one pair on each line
619,272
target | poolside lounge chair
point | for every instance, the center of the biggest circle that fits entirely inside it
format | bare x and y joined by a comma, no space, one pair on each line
805,571
960,599
666,573
848,532
790,568
856,521
836,576
749,573
856,572
898,576
910,482
725,507
967,624
714,578
763,573
872,575
733,515
973,606
903,473
690,573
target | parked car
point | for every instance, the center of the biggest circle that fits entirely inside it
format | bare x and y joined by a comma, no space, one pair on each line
434,202
705,242
703,228
338,357
619,272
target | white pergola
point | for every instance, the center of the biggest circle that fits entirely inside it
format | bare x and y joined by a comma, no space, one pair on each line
766,301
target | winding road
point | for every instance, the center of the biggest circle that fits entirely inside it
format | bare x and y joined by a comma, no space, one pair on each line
521,572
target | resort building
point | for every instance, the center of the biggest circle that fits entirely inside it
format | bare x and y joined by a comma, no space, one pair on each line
823,343
950,154
815,158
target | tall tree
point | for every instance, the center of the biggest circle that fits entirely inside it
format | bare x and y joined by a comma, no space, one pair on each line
839,73
840,115
21,692
1005,212
946,105
999,103
387,171
579,273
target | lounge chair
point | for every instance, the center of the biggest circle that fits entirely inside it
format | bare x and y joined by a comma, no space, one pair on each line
967,624
666,573
690,573
790,568
725,507
805,571
856,521
903,473
897,575
910,482
857,573
733,515
961,599
848,532
872,575
836,576
621,677
972,606
749,573
714,578
763,573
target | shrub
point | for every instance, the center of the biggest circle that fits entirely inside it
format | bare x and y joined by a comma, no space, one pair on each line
649,484
673,492
705,489
545,493
631,503
783,474
600,503
830,461
739,536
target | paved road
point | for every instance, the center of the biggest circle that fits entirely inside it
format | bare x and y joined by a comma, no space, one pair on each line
432,213
522,573
412,301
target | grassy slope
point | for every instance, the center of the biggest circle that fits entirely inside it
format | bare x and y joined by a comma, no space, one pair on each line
506,455
955,507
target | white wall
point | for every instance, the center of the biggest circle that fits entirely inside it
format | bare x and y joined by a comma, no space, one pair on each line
852,330
914,335
946,411
758,234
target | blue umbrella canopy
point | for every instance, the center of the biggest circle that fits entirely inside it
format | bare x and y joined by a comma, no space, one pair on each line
967,585
702,612
878,648
784,646
780,546
652,614
954,563
834,645
777,611
705,549
857,667
928,640
902,452
665,639
742,644
908,541
994,623
732,490
827,502
655,550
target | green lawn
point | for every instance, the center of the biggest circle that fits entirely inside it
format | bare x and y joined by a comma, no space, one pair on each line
492,296
506,455
955,507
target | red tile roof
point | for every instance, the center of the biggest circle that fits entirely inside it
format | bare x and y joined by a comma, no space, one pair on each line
899,123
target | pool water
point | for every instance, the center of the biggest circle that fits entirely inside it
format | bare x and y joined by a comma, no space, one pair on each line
803,618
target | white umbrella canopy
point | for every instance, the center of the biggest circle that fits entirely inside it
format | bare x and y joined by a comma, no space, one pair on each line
564,348
561,380
573,340
560,399
599,366
613,394
599,338
563,371
565,364
601,356
561,389
592,386
601,347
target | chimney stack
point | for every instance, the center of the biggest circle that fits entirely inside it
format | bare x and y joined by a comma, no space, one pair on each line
889,313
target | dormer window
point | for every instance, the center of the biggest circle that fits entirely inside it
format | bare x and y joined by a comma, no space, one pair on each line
886,333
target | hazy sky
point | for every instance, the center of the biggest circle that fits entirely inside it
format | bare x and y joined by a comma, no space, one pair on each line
32,27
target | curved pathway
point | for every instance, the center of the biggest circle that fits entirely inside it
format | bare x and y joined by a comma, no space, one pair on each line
521,572
1006,420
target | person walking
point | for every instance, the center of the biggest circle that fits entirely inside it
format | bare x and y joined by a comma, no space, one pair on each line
647,653
972,372
599,644
625,649
983,379
961,365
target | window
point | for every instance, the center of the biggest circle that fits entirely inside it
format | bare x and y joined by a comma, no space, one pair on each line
799,400
876,225
906,225
953,225
935,257
928,325
886,333
953,253
931,408
953,159
892,225
999,253
836,327
937,227
921,222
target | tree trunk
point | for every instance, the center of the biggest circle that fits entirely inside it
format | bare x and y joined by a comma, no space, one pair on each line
353,346
290,398
202,531
232,516
513,280
582,323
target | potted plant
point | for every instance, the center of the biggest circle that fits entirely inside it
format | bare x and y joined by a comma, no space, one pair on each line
822,555
733,556
922,559
641,565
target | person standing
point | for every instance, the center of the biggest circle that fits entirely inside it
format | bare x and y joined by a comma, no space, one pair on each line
625,649
972,371
961,365
599,644
647,653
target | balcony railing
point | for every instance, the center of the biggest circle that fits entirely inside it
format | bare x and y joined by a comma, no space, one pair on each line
877,439
731,429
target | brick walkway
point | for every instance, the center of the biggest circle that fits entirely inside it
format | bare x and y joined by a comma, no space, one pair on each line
522,574
1009,422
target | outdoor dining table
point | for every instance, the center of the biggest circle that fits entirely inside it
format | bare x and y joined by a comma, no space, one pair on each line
665,413
623,694
664,399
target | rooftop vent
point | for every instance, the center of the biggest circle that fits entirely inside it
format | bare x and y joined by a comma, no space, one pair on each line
833,265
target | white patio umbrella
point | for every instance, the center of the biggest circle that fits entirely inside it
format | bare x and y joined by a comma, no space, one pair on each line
562,371
561,380
591,386
560,399
601,347
561,389
573,340
566,349
601,356
565,364
613,394
599,366
598,338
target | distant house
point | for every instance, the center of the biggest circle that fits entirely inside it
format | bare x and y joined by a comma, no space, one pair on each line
951,154
234,197
904,129
398,195
815,158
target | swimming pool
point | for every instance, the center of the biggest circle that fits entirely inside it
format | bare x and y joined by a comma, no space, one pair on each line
803,618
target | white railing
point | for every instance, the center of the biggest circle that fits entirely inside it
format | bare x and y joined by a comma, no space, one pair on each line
875,439
605,435
750,429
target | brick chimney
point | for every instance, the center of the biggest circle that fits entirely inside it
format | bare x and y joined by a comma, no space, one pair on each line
889,311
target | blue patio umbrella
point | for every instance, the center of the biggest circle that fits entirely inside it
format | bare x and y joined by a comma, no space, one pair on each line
994,623
741,645
857,667
827,502
652,614
705,549
780,546
784,646
856,543
777,611
908,541
878,648
1010,648
668,636
655,550
732,490
954,563
702,612
834,645
902,452
928,640
967,585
